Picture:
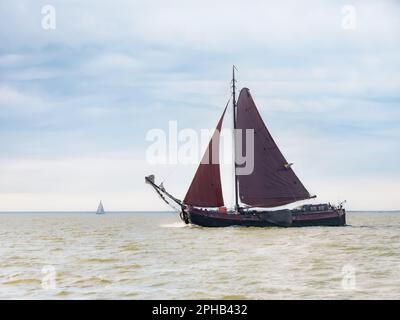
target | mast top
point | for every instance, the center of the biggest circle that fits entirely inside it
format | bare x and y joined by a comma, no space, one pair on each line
234,84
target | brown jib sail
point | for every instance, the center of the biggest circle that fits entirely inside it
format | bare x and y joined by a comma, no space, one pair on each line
205,189
272,182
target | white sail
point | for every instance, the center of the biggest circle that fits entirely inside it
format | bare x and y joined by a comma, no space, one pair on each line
100,209
226,160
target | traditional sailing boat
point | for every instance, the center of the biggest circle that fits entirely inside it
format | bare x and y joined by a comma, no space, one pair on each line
272,183
100,209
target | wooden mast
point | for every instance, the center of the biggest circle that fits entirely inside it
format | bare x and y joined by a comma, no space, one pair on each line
234,136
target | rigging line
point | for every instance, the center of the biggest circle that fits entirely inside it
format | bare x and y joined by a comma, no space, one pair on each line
169,173
166,201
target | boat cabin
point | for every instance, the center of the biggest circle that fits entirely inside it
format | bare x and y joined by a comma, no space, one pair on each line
309,208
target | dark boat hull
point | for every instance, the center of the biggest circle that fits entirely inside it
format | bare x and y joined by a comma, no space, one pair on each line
335,218
208,218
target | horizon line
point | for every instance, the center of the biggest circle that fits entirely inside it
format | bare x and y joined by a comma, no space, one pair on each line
147,211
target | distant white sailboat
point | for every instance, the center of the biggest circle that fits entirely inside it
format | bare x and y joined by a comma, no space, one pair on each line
100,209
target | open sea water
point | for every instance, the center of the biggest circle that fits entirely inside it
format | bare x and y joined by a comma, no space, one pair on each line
156,256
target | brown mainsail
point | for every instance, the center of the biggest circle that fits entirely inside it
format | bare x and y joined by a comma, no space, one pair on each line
205,189
273,182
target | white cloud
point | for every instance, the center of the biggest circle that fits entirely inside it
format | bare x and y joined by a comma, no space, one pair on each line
223,26
111,62
13,100
10,59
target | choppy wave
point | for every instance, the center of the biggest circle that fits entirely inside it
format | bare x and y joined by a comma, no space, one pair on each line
159,257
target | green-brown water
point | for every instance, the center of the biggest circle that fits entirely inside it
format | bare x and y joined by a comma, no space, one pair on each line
154,255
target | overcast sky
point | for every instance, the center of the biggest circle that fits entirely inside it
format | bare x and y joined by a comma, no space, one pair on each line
77,101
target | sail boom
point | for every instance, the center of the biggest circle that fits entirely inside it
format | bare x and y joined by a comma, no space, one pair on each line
272,202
